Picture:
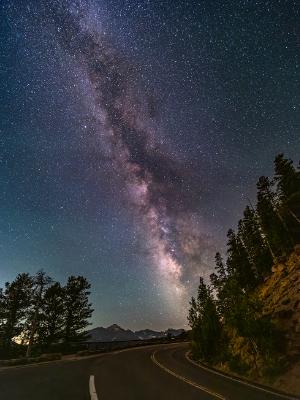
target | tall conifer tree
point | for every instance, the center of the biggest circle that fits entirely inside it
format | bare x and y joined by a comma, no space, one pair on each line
15,300
78,310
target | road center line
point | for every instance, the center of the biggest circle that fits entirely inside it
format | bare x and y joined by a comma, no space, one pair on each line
93,392
182,378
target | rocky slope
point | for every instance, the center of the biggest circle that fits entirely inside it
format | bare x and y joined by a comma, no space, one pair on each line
280,295
281,298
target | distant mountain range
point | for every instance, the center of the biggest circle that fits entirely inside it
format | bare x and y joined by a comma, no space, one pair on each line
116,333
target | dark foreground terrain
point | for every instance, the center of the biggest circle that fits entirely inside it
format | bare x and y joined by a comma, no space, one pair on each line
153,372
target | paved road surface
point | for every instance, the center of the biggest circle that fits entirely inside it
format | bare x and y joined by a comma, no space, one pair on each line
147,373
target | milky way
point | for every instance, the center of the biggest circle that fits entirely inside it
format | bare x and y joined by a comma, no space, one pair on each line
156,184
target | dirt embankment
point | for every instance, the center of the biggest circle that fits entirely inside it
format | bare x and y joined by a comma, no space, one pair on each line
280,295
281,298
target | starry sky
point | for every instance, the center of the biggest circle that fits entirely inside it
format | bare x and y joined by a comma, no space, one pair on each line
132,135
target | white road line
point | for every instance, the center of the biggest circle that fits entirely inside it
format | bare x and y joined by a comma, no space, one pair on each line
144,347
182,378
284,396
93,392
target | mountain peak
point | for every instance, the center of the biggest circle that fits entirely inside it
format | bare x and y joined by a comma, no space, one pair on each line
114,327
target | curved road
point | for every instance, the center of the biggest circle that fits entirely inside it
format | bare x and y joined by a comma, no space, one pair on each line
144,373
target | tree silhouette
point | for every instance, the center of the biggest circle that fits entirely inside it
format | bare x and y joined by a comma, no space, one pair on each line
15,300
205,323
257,248
77,308
238,263
272,224
51,324
286,177
40,283
288,194
34,311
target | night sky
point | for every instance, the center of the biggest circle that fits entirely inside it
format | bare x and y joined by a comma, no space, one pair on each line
132,136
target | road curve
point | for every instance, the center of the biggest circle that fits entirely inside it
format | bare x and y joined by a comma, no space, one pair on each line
145,373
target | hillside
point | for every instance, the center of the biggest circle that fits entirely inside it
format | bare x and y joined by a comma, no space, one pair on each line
246,319
281,298
280,295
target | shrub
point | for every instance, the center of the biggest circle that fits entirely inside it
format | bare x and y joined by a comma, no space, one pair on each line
237,365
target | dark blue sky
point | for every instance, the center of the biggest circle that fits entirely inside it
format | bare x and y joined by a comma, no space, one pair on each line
132,134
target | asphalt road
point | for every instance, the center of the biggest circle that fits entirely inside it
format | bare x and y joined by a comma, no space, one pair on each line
146,373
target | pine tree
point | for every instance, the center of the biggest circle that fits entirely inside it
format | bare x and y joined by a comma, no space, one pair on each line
204,321
287,177
255,244
219,277
238,263
50,329
193,313
77,308
2,317
220,266
272,225
288,194
41,281
15,300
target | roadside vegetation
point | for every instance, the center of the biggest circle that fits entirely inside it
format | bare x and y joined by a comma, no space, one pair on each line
229,324
38,315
